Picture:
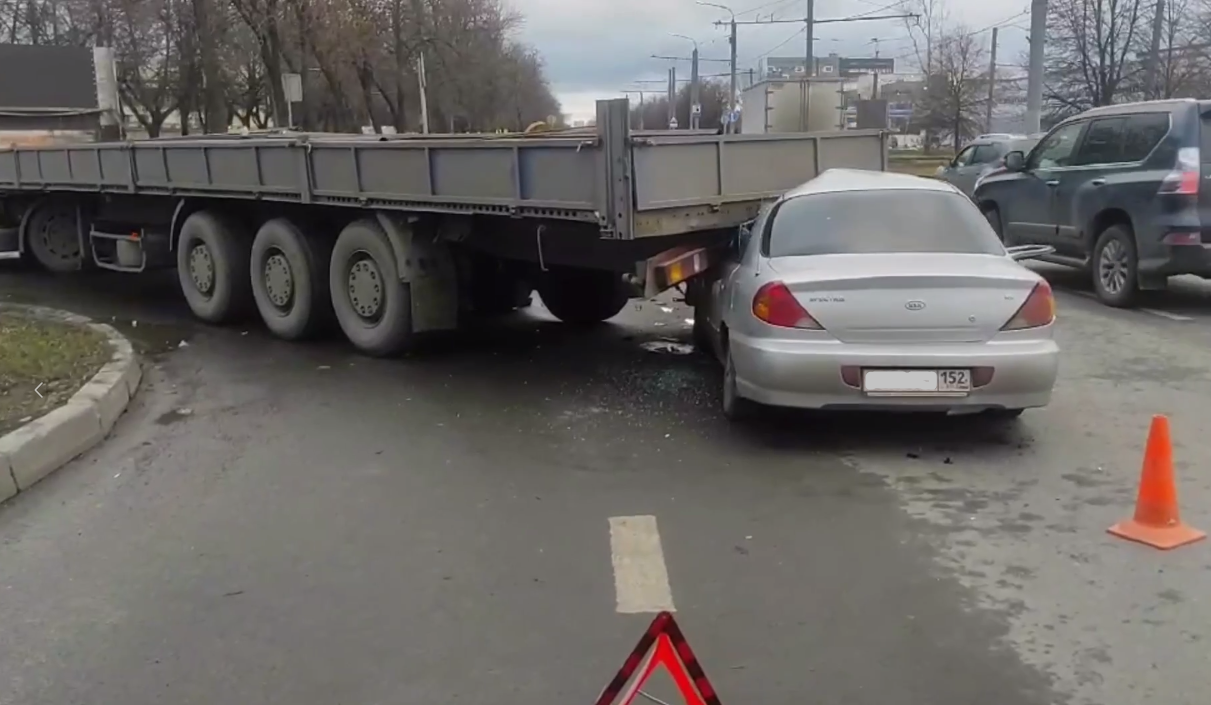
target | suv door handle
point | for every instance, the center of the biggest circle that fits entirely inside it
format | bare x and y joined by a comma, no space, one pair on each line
1098,182
1053,182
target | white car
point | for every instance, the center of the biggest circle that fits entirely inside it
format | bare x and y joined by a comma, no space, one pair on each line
871,290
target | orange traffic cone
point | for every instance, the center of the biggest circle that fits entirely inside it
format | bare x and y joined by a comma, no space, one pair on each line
1156,521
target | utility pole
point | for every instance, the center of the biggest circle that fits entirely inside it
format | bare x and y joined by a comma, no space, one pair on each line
731,94
1034,79
810,23
424,89
992,80
672,99
1152,73
809,62
641,105
729,127
695,107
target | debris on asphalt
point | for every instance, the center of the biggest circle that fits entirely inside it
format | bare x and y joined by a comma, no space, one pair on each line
666,309
668,346
324,367
183,344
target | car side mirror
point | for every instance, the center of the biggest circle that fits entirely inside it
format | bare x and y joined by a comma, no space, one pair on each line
1023,252
1015,161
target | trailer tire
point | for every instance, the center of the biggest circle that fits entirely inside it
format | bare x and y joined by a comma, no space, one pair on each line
583,296
213,255
289,277
52,237
372,305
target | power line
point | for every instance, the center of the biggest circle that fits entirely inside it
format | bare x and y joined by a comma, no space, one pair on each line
782,43
768,5
686,58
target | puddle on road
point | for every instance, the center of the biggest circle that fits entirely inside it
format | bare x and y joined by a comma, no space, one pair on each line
667,346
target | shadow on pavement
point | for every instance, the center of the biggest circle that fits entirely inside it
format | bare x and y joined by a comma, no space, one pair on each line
641,364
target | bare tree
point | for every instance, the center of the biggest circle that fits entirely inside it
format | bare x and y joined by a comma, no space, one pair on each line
209,61
1092,53
925,29
1182,67
957,88
712,96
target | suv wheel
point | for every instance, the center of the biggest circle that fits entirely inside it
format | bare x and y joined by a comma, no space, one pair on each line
1115,267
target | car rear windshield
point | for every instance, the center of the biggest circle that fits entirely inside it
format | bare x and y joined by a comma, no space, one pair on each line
879,221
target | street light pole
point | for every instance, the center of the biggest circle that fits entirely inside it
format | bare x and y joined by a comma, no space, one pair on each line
731,101
695,106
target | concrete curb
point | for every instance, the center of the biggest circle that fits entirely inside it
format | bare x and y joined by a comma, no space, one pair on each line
46,444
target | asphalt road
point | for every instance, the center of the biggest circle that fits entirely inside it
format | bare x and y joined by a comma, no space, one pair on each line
490,523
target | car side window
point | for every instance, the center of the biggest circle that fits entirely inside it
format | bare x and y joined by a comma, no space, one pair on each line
1142,133
1056,148
1103,143
986,154
964,158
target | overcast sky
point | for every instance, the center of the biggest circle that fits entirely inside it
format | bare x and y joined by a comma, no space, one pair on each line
597,48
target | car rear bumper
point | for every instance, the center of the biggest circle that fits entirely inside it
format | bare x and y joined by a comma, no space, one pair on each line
1171,260
810,374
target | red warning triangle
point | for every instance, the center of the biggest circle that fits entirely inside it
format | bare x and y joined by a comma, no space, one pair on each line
662,644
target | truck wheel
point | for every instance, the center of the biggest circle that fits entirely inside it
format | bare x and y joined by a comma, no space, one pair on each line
582,296
52,236
372,305
213,253
1116,267
289,271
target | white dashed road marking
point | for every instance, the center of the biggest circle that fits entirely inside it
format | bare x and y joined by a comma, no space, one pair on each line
1166,314
641,580
1152,311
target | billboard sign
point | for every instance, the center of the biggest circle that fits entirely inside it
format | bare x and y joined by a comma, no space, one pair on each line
857,66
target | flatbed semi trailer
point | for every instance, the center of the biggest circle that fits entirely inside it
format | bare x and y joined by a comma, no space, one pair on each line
393,237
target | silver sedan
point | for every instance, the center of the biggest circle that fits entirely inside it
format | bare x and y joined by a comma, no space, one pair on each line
869,290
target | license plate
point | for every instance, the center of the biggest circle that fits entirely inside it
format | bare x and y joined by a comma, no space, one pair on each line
916,381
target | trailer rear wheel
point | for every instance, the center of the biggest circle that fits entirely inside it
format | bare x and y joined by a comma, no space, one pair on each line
213,253
289,273
372,305
582,296
52,236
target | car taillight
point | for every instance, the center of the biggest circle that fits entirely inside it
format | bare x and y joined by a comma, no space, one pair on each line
776,305
1038,309
1183,180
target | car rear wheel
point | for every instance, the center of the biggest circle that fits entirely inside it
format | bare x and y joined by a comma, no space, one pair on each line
1116,267
735,407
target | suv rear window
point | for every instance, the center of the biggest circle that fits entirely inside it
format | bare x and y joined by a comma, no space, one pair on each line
1142,133
879,221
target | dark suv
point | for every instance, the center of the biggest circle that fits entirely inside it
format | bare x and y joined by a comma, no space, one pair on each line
1116,191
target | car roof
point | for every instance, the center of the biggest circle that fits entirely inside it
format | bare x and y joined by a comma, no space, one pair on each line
839,180
1144,106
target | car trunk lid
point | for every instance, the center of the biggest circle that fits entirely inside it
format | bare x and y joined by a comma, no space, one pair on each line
908,297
